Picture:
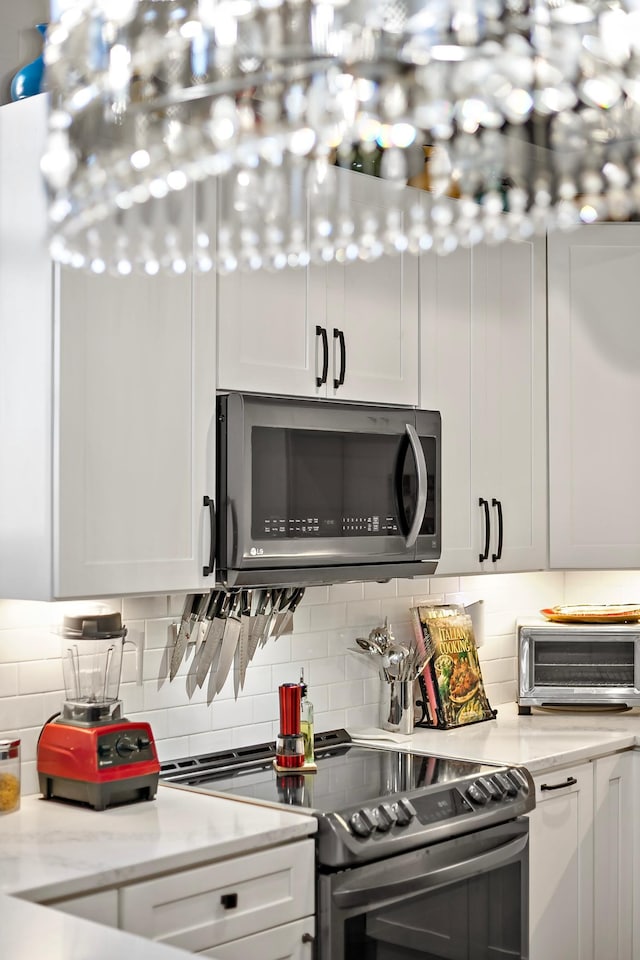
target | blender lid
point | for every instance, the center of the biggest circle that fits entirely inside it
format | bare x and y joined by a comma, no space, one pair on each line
99,626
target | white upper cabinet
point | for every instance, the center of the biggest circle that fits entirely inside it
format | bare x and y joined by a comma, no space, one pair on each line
107,409
348,332
482,314
594,396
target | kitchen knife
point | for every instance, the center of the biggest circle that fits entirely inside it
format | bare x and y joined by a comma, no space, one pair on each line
242,647
258,621
275,598
229,643
219,629
188,618
287,624
213,634
283,609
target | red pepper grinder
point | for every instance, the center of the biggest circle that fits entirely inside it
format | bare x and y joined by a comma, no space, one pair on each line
290,742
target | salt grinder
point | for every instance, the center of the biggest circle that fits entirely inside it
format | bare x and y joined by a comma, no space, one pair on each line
290,742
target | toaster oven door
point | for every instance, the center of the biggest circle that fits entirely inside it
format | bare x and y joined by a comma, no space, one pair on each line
579,665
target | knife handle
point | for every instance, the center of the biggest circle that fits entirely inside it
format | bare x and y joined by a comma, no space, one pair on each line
208,569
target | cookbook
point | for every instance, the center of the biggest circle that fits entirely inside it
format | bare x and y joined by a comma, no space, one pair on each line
451,683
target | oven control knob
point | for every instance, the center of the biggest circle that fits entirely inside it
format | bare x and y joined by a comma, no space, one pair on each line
404,811
362,823
125,747
386,817
518,778
476,794
506,783
494,792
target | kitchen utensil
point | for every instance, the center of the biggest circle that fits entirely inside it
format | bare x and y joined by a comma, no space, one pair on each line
213,635
258,621
287,624
241,657
286,598
187,620
229,643
275,599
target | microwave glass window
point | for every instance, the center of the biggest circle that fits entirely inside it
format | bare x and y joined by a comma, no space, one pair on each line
315,483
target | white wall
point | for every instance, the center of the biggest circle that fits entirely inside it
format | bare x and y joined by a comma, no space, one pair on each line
344,688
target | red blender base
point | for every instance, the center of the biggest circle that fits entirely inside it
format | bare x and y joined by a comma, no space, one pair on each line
101,766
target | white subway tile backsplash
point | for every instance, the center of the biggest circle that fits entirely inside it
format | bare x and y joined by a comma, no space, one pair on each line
365,613
309,646
144,608
8,680
347,694
195,718
332,670
229,714
346,591
328,616
39,676
173,748
159,633
378,591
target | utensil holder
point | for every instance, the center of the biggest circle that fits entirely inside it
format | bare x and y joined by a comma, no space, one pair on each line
396,706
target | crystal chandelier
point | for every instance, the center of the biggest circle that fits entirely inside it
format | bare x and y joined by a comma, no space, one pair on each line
204,134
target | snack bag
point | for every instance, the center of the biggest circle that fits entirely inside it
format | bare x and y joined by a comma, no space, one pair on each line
452,680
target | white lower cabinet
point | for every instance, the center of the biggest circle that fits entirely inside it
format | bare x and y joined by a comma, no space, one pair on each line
580,858
208,909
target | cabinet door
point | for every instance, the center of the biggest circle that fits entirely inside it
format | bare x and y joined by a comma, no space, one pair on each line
448,331
201,908
594,391
267,340
482,314
375,307
134,431
292,941
561,869
509,281
614,813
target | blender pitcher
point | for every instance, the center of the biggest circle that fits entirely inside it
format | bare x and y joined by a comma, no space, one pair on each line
92,647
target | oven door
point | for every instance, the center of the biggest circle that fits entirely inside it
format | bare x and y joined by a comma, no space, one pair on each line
307,484
462,899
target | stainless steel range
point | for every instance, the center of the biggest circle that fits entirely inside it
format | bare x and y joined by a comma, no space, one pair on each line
418,856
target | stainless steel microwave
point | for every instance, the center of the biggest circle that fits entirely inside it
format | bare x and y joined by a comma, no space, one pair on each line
316,492
577,664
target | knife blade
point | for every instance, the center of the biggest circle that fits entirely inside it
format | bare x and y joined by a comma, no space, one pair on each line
229,643
258,622
287,624
276,597
283,606
188,617
213,635
240,659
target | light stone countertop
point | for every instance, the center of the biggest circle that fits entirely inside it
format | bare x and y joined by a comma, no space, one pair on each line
546,740
51,850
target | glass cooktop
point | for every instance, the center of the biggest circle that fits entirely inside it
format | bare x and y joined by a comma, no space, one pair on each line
348,774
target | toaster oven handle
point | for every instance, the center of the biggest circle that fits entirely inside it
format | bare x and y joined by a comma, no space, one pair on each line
421,467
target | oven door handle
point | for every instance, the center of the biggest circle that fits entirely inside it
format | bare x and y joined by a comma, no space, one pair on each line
421,467
369,895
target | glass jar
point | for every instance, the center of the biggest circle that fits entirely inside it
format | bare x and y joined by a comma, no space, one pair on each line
9,776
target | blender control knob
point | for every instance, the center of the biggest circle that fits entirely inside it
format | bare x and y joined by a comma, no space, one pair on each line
143,742
125,747
104,750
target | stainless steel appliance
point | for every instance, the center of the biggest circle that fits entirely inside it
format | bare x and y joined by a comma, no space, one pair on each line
418,856
577,664
322,492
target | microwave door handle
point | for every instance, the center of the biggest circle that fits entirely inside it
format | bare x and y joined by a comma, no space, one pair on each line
420,880
421,467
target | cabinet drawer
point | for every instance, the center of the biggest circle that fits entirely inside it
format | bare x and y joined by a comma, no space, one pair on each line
279,943
201,908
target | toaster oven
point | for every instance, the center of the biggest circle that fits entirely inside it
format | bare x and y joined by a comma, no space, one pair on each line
577,664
